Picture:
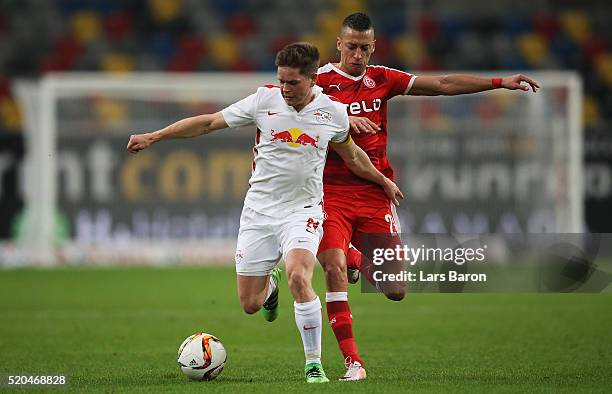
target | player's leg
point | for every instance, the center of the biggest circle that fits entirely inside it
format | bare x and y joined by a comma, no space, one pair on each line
337,231
300,235
393,290
333,262
252,291
299,265
339,315
331,255
257,253
353,264
337,305
270,306
379,228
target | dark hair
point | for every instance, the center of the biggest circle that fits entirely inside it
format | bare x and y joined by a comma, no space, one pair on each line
301,55
357,21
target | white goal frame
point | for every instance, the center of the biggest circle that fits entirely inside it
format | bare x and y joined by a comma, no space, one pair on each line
41,132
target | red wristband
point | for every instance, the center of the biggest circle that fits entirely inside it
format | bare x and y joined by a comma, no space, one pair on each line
496,82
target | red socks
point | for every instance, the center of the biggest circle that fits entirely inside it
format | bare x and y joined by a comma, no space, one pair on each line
341,321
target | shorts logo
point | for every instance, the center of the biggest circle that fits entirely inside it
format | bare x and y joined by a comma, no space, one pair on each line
392,225
369,82
312,225
239,257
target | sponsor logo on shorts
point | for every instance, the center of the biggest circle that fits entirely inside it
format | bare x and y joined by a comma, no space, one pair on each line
239,257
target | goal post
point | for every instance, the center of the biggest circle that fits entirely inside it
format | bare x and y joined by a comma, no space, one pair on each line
494,161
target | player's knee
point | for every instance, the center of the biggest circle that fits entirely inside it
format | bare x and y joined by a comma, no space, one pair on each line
335,272
249,306
333,261
297,280
395,294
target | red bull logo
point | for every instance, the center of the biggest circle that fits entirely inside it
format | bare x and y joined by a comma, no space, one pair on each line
294,137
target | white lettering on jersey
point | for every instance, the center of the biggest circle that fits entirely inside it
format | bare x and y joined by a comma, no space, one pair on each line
358,107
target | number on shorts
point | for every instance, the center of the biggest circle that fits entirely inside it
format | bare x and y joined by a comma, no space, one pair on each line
392,225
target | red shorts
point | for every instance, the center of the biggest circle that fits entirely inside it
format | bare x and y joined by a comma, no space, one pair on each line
354,211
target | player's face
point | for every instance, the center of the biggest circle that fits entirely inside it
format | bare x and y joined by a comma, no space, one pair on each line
295,87
356,48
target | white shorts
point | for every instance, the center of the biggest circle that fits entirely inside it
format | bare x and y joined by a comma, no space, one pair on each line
263,240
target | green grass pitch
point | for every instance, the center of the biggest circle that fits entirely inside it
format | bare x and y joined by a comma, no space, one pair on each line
118,329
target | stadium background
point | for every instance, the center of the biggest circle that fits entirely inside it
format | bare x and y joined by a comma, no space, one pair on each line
38,37
117,328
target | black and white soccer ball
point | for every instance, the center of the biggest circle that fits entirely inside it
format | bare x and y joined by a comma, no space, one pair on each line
201,356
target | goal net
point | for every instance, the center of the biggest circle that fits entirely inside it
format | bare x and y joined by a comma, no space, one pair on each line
498,161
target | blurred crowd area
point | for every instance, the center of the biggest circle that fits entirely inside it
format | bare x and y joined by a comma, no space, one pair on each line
118,36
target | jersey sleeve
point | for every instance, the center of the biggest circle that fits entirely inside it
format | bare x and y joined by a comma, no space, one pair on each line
400,82
342,133
241,113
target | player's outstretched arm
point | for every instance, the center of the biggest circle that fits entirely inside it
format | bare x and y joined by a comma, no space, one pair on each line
184,128
450,85
359,163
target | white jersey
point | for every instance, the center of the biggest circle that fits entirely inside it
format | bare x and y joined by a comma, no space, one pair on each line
290,147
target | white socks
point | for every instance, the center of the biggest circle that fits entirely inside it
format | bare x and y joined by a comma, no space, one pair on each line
309,322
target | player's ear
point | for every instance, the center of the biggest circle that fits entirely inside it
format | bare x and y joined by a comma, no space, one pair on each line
338,43
373,46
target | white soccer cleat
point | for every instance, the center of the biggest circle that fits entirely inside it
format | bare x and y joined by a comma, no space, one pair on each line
354,372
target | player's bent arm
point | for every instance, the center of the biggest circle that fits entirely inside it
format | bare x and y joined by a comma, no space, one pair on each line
184,128
450,85
359,163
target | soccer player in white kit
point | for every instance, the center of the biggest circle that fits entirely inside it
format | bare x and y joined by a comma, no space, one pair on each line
283,212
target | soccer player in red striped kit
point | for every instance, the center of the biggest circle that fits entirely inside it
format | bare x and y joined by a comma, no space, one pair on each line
355,207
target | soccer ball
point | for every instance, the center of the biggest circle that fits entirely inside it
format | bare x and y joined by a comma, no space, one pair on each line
201,356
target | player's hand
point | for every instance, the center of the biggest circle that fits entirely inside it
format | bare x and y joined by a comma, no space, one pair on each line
361,125
513,82
392,191
139,142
